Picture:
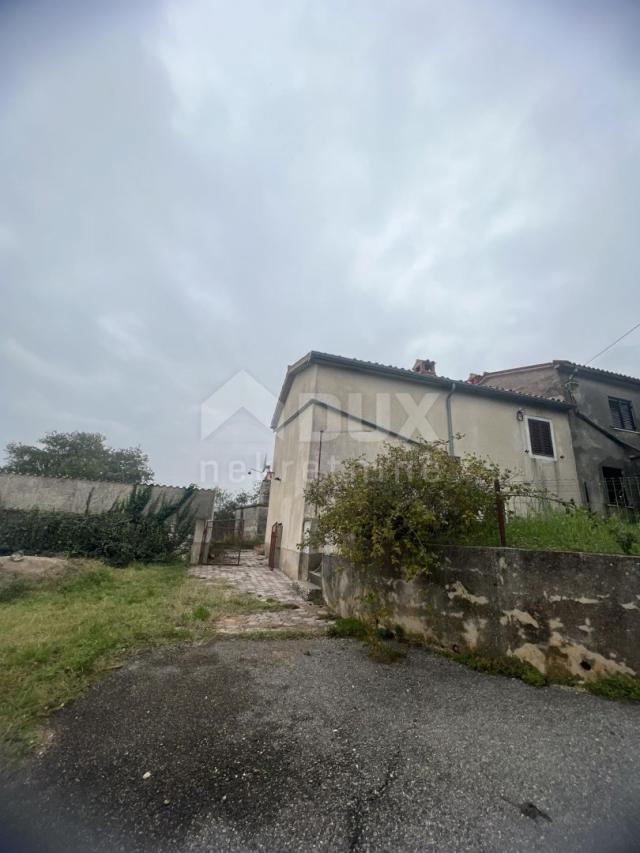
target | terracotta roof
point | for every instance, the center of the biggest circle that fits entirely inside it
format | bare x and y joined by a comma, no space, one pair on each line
563,364
315,357
596,371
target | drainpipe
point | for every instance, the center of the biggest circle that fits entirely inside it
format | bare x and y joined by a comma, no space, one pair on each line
450,420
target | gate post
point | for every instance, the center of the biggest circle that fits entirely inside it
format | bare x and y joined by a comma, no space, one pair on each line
196,544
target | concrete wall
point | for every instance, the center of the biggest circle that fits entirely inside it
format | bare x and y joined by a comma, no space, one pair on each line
564,613
18,491
310,431
252,520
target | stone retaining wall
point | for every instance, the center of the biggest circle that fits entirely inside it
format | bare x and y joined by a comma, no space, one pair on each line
562,612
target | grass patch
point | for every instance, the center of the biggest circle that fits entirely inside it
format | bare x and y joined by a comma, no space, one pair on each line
12,589
510,667
57,635
574,531
380,649
349,627
621,687
201,613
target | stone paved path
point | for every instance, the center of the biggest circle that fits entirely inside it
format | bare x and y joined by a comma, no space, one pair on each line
254,576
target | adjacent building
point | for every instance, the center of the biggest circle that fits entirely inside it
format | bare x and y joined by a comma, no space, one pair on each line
605,430
251,518
332,408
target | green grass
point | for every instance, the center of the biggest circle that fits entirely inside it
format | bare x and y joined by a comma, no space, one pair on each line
349,627
574,531
511,667
620,687
58,635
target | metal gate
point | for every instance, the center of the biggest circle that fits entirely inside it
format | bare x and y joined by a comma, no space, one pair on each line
274,545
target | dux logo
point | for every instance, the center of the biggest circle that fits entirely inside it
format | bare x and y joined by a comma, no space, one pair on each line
242,392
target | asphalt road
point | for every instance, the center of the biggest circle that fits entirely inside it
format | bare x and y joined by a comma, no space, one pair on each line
309,745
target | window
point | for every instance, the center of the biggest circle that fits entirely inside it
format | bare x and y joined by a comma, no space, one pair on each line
540,437
614,484
622,413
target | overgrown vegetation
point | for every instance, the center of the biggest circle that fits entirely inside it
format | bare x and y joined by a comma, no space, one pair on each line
133,530
574,529
59,634
78,454
394,510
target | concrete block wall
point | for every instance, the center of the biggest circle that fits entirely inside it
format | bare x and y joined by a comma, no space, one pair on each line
61,494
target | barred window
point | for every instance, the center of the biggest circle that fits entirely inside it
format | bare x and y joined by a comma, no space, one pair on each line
540,437
621,413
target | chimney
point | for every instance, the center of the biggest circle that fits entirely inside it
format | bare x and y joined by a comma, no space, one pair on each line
475,378
425,366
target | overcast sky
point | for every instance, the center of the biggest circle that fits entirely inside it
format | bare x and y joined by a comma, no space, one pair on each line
189,189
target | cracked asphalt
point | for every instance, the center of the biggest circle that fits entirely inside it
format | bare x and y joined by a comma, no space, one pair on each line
291,745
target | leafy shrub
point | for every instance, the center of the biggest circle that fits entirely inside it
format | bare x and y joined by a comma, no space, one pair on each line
132,530
391,512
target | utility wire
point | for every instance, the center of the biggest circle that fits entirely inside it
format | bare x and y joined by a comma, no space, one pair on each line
593,358
617,341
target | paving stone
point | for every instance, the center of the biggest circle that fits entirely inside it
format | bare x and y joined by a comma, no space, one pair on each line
254,576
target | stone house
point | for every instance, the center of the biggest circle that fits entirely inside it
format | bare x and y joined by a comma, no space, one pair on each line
332,408
605,430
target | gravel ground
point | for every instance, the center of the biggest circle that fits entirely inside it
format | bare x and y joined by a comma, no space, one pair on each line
309,745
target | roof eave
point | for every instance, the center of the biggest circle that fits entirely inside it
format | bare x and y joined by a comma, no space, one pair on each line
315,357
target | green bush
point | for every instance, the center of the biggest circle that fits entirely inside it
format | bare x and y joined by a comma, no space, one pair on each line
393,511
133,530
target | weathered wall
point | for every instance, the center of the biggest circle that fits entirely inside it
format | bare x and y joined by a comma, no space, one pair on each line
18,491
562,612
253,521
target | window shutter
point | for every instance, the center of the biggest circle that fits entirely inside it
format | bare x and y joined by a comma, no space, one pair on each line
621,413
540,437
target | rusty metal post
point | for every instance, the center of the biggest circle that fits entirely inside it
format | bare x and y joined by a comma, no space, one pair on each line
500,513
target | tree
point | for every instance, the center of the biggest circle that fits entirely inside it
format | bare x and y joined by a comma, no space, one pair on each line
228,502
78,454
392,512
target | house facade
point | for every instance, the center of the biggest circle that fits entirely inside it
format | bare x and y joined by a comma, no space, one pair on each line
332,408
605,429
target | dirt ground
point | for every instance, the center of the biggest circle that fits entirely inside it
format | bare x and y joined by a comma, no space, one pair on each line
32,567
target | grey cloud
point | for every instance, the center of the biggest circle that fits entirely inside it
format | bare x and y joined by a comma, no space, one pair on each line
193,188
